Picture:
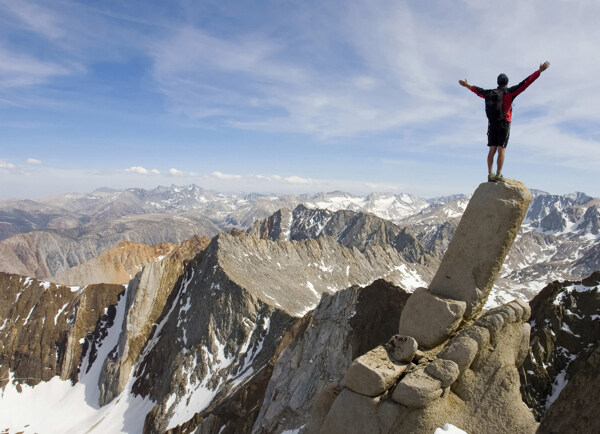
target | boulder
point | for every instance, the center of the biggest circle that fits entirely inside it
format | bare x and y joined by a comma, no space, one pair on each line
523,305
402,348
373,373
483,237
351,413
461,350
417,389
321,406
430,319
493,323
481,335
444,370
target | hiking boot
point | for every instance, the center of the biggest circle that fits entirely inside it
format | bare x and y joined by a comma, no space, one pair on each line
491,178
499,178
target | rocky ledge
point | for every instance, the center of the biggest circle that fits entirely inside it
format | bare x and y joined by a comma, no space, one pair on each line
471,382
450,363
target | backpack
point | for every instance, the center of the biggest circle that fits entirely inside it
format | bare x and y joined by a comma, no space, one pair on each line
493,105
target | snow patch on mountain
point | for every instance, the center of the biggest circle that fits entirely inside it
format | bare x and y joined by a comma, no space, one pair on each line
60,406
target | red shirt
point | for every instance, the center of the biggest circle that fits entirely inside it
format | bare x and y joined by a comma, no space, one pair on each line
510,95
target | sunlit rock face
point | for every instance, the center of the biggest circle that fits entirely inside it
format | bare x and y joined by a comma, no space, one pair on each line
44,326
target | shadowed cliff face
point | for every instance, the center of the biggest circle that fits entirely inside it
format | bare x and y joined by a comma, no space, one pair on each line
227,313
43,326
565,337
147,297
341,328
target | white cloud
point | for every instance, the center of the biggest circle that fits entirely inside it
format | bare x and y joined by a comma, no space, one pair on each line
298,180
373,186
37,181
6,165
17,69
142,170
175,172
34,161
405,61
225,176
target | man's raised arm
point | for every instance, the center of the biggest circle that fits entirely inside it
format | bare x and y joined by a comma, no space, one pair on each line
464,83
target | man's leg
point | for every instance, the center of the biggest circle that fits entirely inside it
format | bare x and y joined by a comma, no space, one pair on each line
502,148
500,161
490,158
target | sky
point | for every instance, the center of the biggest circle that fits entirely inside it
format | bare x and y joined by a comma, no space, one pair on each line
303,96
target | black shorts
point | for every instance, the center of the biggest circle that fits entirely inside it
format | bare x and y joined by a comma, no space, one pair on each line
498,133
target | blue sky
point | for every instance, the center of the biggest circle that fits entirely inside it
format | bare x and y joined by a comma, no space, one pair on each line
293,96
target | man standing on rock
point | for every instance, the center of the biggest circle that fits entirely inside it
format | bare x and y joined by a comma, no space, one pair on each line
498,108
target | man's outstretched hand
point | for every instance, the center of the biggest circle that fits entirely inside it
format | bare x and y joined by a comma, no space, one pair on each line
464,83
544,66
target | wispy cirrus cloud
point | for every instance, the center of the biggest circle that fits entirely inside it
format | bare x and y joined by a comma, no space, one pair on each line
310,89
402,63
35,18
18,70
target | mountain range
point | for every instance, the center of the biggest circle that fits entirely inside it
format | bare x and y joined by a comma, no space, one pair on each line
46,237
240,332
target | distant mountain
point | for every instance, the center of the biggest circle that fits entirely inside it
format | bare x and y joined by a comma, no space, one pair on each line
558,239
351,229
224,210
42,254
44,238
121,263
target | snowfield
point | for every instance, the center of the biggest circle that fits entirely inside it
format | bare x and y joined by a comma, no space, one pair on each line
60,407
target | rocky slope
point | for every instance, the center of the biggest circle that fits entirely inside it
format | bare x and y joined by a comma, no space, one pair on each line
343,326
43,254
121,263
349,228
190,336
44,326
242,294
565,336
